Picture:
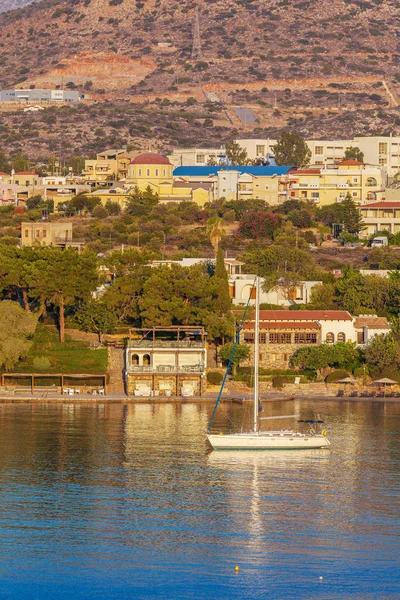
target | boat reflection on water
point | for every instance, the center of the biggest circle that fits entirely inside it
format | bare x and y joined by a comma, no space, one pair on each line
229,459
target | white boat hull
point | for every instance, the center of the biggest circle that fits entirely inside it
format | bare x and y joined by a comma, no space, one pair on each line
271,440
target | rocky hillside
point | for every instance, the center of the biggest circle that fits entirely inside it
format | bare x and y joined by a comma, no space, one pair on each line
6,5
327,68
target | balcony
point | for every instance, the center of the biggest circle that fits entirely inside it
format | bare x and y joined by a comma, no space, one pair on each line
166,369
181,344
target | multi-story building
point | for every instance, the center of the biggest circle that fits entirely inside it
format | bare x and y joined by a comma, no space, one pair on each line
241,287
169,361
240,183
109,166
331,184
43,233
380,216
187,157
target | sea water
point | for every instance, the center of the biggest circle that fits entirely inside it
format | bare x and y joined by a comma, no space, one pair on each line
115,501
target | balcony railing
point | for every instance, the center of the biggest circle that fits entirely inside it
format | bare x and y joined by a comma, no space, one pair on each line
166,369
166,344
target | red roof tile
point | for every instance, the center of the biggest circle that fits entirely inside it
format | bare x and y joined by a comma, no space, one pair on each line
150,158
26,173
371,322
305,315
382,204
284,325
351,162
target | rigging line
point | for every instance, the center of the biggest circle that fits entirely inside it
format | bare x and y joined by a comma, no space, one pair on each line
231,357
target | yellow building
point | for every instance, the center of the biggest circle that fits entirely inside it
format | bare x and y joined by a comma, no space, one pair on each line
49,234
110,165
331,184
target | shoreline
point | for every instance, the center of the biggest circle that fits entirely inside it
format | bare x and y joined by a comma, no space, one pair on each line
209,399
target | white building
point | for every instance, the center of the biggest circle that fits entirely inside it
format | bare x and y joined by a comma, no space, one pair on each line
241,285
39,95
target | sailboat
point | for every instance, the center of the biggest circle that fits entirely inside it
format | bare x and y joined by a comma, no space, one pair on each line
258,439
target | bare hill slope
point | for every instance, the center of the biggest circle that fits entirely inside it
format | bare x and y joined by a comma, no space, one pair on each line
327,68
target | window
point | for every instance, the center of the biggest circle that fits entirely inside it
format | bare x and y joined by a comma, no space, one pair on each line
148,173
262,338
260,150
27,182
249,338
382,161
371,181
44,233
133,172
140,172
341,337
280,338
156,172
305,338
134,359
26,233
147,360
164,173
382,148
330,338
319,149
315,195
200,158
37,233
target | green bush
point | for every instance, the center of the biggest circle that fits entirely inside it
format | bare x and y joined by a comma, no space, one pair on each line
41,363
278,381
214,377
361,371
336,375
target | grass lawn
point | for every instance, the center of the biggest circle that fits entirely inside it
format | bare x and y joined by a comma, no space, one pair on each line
48,355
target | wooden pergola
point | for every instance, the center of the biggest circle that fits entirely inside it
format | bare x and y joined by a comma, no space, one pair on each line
60,376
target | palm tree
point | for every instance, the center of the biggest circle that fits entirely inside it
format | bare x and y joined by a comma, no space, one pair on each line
216,232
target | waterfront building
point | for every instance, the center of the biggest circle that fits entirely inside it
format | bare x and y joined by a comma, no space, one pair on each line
282,332
168,361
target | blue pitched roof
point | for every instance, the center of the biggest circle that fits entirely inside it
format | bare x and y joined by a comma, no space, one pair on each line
268,171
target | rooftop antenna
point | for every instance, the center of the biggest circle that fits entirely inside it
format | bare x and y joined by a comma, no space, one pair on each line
196,48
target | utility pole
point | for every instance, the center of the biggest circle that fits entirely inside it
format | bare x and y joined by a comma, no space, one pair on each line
196,48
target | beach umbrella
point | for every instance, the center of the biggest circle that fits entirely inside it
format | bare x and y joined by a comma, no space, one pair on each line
385,381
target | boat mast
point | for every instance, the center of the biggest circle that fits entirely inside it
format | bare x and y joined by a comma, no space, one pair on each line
256,354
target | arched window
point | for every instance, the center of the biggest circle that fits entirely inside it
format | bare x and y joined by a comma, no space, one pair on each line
134,359
146,360
330,338
156,172
140,172
341,337
371,181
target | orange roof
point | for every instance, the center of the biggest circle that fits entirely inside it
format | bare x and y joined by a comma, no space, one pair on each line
26,173
6,174
284,325
305,172
150,158
371,322
382,204
305,315
351,162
